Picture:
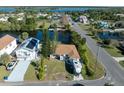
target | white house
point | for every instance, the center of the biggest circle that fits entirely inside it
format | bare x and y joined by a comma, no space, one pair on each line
4,19
28,49
84,19
7,44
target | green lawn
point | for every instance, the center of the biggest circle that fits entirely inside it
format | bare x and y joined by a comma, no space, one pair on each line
121,63
56,71
30,74
3,72
84,26
113,51
97,68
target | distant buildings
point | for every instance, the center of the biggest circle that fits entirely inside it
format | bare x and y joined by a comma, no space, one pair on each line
7,44
103,24
42,15
83,19
28,49
3,18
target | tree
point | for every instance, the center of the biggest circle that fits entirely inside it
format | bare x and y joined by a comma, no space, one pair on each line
41,71
45,44
12,20
5,59
67,27
25,35
107,41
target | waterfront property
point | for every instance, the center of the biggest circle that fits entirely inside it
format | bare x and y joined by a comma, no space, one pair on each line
7,44
111,34
28,49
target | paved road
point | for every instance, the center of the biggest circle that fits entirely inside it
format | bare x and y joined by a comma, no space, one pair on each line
112,68
19,71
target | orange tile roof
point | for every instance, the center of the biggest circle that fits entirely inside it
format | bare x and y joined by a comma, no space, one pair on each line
5,40
70,50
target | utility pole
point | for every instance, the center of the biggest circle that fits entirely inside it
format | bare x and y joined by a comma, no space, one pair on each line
97,55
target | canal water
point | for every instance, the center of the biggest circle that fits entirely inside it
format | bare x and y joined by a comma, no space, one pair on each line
63,37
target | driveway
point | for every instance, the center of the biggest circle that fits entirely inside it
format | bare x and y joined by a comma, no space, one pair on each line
19,71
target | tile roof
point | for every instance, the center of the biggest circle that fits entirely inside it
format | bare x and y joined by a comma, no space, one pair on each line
5,40
70,50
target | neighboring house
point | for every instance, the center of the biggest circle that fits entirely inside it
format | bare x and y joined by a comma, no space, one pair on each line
103,24
121,45
42,15
83,19
63,49
7,44
69,54
28,49
3,19
119,24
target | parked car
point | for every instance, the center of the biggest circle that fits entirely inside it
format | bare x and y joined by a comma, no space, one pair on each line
5,77
77,66
11,65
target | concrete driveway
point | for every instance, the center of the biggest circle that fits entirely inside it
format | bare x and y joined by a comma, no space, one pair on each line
19,71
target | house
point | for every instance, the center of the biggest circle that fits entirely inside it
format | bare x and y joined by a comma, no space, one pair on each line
63,49
103,24
42,15
121,45
83,19
7,44
3,18
28,49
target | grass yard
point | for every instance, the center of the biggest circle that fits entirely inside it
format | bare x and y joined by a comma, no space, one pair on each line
121,63
84,26
97,68
115,52
30,74
56,71
3,72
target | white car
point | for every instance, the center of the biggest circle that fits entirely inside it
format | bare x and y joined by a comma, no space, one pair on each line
77,66
11,65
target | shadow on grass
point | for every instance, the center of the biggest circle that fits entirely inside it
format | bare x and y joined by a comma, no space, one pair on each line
69,68
121,50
